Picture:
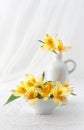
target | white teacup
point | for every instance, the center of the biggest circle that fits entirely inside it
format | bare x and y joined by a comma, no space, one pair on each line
44,107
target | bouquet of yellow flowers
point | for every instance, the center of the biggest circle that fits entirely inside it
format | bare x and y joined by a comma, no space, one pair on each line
33,90
53,44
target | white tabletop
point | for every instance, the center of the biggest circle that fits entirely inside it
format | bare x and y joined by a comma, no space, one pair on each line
19,116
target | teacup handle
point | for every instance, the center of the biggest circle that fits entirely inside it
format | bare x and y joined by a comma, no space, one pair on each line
74,65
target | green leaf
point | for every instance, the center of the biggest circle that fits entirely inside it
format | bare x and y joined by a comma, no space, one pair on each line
40,41
54,51
47,82
40,87
73,94
11,98
43,75
51,96
50,81
39,96
47,34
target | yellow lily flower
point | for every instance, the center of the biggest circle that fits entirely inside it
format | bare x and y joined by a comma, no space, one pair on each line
68,87
46,90
30,80
21,90
31,96
33,90
49,43
41,80
60,96
59,84
54,44
66,84
60,47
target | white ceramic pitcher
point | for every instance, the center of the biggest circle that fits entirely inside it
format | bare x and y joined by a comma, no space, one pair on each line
58,70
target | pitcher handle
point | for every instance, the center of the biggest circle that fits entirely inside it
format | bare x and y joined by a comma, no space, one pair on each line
74,65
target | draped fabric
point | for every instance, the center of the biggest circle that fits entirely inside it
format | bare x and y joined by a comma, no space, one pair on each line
24,22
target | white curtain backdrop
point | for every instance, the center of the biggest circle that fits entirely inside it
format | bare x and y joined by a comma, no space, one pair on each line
24,22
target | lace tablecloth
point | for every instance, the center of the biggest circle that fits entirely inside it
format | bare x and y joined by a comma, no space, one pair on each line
19,116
